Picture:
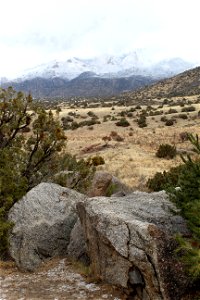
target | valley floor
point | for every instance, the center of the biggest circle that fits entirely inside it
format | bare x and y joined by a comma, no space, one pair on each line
133,158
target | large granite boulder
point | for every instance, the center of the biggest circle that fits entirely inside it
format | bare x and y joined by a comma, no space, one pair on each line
130,243
43,220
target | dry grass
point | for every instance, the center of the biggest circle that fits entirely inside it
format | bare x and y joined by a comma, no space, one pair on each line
7,267
133,160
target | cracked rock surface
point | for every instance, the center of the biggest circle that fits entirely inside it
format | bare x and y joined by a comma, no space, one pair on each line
130,243
43,220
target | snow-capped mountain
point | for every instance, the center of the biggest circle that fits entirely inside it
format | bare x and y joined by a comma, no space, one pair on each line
101,76
133,63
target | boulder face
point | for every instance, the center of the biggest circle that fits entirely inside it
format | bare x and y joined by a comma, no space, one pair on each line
104,184
100,184
77,248
130,243
43,220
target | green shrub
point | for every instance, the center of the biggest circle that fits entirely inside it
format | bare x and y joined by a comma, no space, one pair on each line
97,160
122,113
78,172
169,122
183,116
90,122
165,101
112,188
163,119
123,122
65,122
116,137
142,121
157,182
171,111
106,118
67,119
166,151
92,114
129,114
74,125
161,181
188,109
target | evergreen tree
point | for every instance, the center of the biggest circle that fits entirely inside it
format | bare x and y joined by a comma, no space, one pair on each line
187,199
32,144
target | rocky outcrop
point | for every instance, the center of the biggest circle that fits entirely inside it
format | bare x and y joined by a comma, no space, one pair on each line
100,184
130,243
105,184
43,220
77,248
128,240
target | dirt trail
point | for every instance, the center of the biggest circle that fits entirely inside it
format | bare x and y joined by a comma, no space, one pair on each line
55,280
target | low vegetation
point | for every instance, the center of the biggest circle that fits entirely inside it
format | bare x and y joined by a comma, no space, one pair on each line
28,157
166,151
183,185
142,121
96,160
187,199
162,180
123,122
33,149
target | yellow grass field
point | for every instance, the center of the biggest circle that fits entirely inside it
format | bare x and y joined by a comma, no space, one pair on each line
132,160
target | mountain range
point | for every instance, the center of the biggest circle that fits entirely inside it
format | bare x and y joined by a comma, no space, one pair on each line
101,76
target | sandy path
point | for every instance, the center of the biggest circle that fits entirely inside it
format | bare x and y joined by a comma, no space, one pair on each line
55,280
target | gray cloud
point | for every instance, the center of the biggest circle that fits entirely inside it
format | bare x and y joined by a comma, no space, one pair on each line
32,32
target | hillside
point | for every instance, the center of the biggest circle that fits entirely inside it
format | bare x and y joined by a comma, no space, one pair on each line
86,85
184,84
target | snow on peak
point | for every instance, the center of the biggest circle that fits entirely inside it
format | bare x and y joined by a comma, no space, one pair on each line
132,63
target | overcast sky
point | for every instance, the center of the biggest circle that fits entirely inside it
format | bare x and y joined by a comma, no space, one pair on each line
37,31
